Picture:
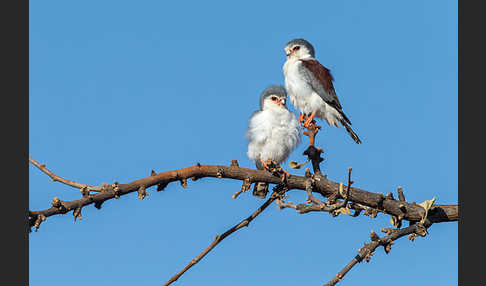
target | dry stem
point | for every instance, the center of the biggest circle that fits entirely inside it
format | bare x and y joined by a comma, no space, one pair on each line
56,178
327,188
387,241
219,238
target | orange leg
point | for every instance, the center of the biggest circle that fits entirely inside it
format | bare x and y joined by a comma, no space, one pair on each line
301,117
279,168
284,173
265,164
310,119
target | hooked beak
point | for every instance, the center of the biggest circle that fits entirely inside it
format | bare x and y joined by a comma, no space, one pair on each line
281,101
288,53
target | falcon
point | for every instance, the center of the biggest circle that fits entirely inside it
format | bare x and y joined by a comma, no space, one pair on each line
273,133
310,87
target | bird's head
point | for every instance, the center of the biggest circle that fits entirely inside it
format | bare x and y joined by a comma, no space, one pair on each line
273,97
299,49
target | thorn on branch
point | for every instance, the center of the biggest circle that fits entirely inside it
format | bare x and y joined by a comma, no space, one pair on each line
401,196
142,193
116,190
219,174
56,203
339,277
341,207
245,186
38,221
380,201
98,204
357,209
395,221
389,196
161,187
346,198
77,213
105,187
84,192
282,205
279,190
387,230
421,230
374,236
403,208
331,200
388,246
234,163
366,252
371,212
184,183
412,237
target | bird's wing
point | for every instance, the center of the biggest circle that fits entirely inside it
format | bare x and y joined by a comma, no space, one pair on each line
320,78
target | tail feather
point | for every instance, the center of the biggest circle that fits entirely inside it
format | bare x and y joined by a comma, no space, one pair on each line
351,132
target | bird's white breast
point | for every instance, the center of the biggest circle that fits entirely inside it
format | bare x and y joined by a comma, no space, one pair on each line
272,133
302,94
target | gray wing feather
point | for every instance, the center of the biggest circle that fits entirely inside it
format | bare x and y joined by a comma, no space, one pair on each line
320,79
329,96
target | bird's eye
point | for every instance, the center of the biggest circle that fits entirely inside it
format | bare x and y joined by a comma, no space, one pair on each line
296,48
274,98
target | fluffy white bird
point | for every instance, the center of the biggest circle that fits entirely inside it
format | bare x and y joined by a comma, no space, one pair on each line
273,132
310,87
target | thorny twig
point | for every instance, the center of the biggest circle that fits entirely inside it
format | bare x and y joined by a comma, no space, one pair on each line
279,190
362,200
245,186
318,205
346,199
387,241
56,178
371,203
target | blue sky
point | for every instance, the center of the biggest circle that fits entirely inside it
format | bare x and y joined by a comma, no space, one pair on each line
118,88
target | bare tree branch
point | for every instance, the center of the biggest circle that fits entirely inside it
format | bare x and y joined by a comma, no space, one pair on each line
409,211
278,191
387,241
353,198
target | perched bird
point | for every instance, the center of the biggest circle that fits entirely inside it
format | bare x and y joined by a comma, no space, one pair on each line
310,87
273,133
